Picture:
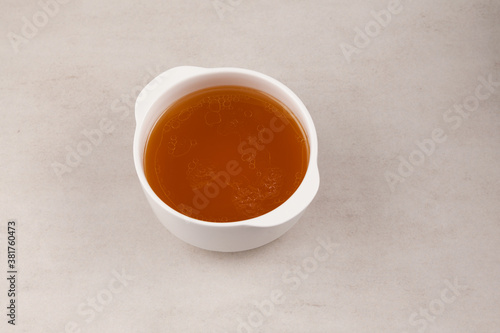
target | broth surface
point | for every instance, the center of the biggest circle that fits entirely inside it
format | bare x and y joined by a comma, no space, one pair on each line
226,154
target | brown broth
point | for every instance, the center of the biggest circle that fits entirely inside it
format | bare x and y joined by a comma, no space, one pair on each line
226,154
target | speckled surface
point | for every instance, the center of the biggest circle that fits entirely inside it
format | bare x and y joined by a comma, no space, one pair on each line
409,133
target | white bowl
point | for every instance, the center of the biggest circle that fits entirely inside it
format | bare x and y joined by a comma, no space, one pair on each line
177,82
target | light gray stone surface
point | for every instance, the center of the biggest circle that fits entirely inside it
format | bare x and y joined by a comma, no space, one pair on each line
397,250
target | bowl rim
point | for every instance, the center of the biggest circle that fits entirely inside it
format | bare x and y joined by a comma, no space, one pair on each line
185,75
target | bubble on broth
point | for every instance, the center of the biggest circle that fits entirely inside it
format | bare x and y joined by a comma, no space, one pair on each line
185,114
175,124
212,118
227,102
183,146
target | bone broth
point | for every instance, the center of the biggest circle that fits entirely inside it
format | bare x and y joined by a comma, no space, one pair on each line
226,154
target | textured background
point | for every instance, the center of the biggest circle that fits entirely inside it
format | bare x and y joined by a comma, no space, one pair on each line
400,248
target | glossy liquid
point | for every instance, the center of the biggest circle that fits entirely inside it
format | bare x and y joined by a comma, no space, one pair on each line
225,154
